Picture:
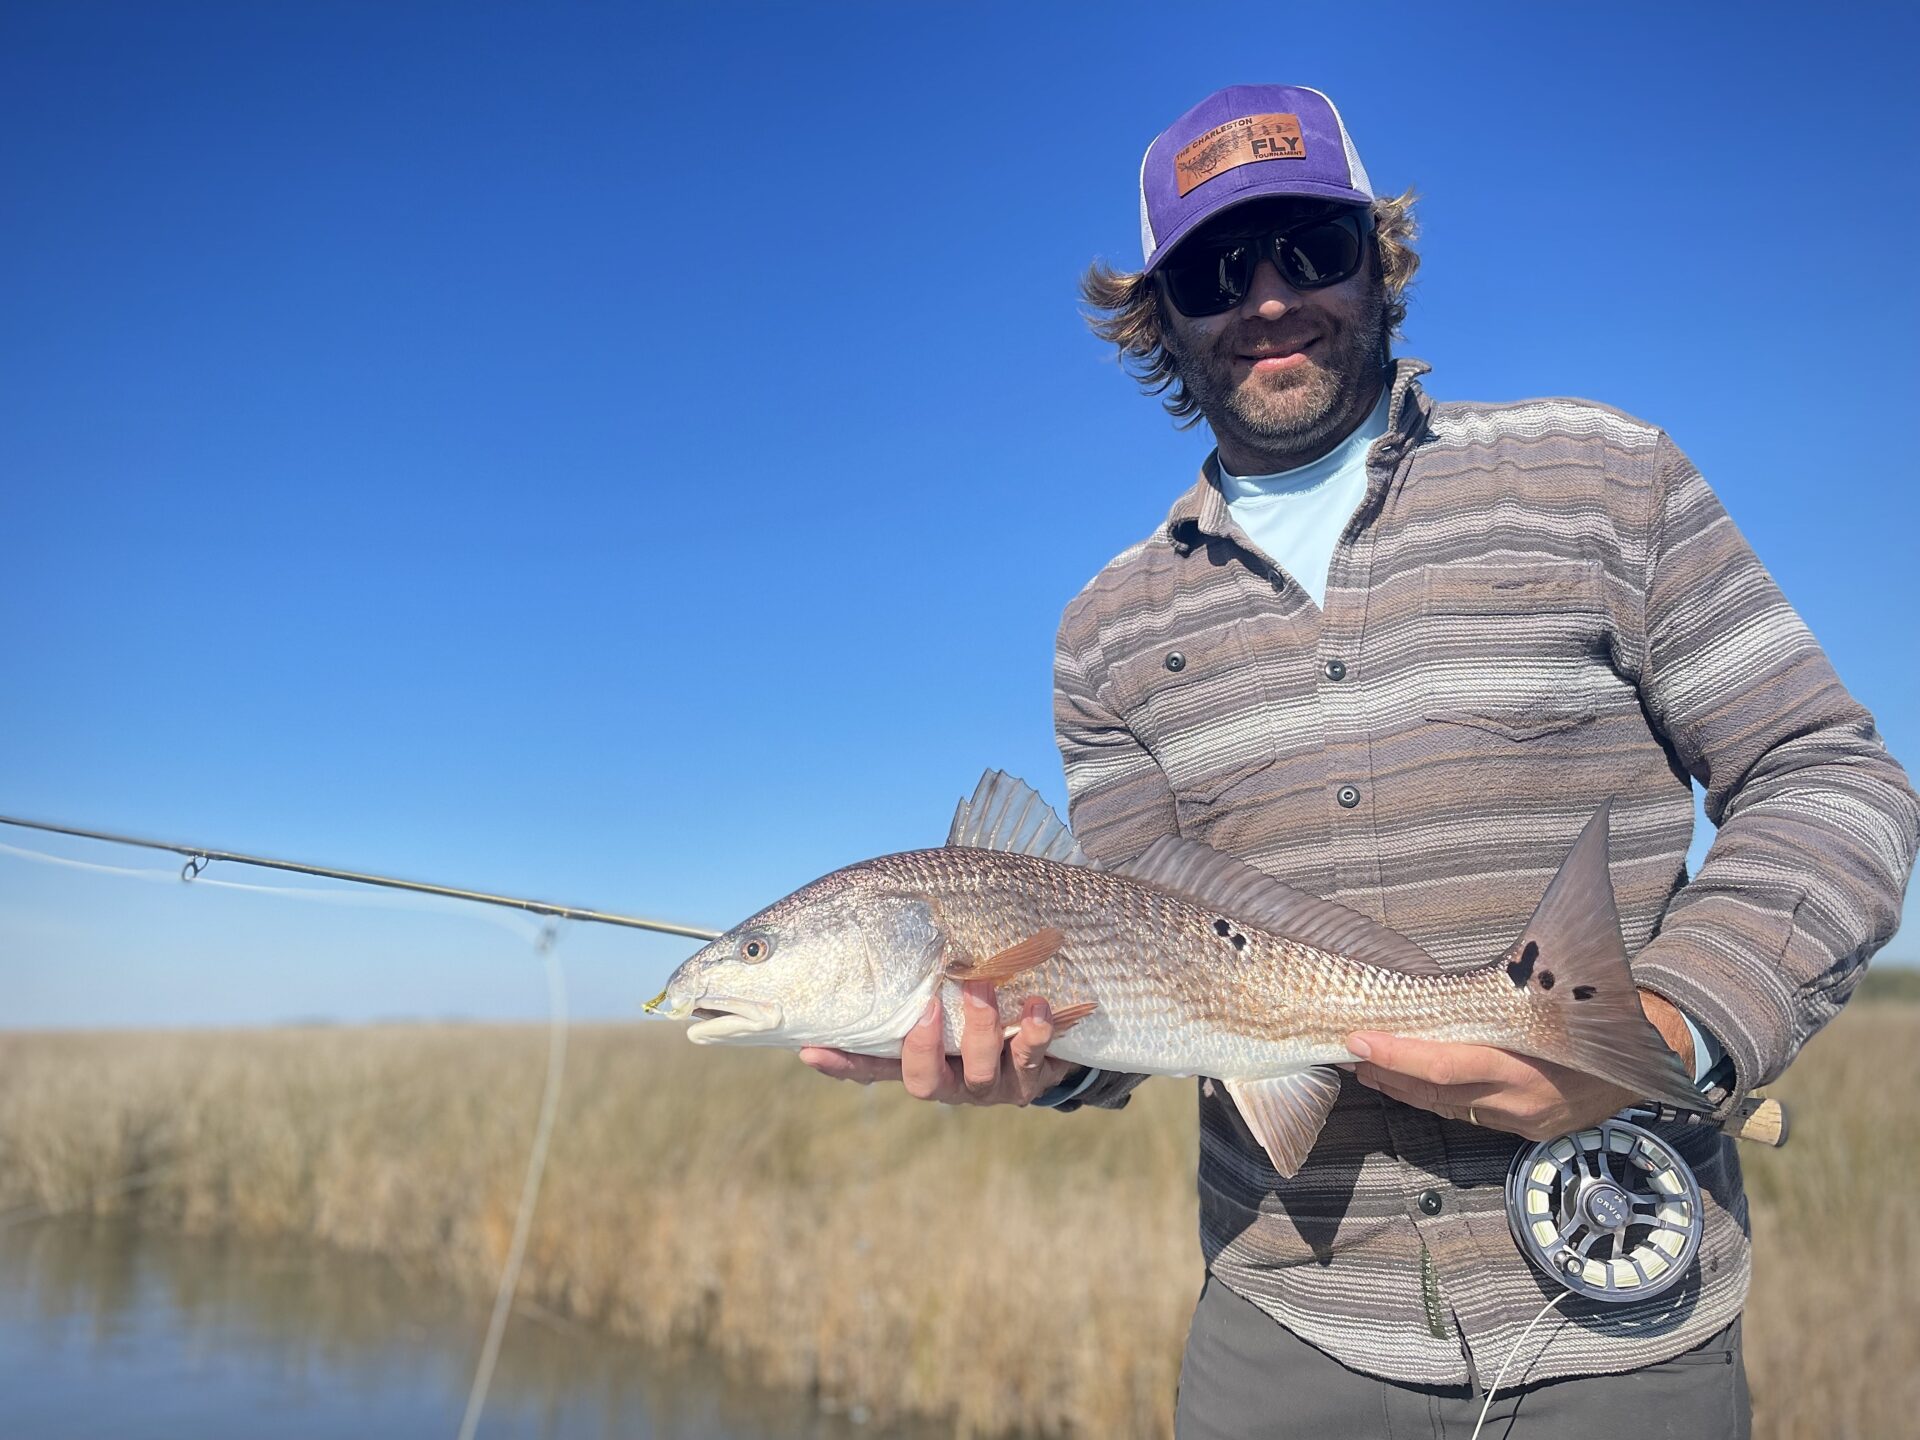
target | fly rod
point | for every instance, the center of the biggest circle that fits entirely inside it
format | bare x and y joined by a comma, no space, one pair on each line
1758,1118
200,856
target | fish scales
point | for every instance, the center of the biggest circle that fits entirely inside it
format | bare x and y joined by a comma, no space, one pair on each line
1175,996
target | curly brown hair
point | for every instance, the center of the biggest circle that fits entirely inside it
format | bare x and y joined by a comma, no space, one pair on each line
1127,311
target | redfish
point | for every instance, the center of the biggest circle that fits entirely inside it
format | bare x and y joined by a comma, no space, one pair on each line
1183,961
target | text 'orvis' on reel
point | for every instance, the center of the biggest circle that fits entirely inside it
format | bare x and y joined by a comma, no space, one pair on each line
1612,1212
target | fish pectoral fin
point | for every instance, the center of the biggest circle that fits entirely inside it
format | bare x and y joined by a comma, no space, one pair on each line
1016,959
1285,1112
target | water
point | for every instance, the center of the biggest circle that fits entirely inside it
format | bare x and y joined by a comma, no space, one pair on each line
106,1329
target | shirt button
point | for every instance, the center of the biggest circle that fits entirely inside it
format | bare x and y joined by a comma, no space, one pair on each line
1336,670
1348,797
1431,1202
1175,661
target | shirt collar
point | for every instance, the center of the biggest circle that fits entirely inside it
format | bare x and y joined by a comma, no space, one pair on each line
1349,454
1202,511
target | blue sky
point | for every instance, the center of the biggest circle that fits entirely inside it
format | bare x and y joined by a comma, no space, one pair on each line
636,456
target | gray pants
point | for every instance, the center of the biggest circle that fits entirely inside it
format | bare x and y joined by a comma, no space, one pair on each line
1245,1377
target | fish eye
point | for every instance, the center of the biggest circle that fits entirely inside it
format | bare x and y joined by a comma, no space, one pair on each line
756,948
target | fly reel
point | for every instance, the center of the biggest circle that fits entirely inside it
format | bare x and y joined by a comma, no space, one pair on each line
1612,1213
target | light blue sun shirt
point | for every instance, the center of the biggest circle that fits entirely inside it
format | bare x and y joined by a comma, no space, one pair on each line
1295,517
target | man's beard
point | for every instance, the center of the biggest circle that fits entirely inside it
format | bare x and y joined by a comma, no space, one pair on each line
1302,412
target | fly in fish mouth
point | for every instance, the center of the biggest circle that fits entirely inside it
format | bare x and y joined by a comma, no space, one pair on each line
721,1017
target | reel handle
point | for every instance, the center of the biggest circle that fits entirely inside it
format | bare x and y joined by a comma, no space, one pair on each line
1758,1118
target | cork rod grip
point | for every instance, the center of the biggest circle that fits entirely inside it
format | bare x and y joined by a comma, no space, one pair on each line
1759,1119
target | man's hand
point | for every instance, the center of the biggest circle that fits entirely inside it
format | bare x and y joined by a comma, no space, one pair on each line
1497,1088
987,1070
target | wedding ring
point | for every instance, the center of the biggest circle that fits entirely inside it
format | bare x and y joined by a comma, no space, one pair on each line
1472,1119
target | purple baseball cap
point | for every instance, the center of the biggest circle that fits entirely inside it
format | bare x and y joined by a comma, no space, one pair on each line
1243,143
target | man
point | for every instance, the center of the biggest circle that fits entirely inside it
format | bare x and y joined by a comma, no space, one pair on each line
1396,653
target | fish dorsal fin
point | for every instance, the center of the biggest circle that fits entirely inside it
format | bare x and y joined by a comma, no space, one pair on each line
1201,874
1009,815
1285,1112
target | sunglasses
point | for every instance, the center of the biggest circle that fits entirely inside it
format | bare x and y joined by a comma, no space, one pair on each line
1209,275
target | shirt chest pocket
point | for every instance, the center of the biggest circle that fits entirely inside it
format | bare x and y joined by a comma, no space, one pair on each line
1196,704
1517,650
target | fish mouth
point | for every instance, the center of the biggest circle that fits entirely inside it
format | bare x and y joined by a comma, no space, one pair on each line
722,1017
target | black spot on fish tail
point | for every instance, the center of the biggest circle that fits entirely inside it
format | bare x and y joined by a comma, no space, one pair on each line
1521,970
1546,979
1583,992
1222,928
1239,942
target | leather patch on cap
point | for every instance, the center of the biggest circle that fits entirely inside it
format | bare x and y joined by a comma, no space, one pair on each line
1236,143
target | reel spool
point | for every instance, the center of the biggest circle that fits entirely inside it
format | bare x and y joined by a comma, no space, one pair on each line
1612,1213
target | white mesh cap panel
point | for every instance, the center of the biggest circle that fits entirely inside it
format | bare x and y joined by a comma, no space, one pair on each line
1356,172
1146,223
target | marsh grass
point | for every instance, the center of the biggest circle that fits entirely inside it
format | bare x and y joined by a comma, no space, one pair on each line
1010,1271
1833,1328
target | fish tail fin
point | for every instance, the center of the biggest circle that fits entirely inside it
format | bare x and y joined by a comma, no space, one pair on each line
1571,961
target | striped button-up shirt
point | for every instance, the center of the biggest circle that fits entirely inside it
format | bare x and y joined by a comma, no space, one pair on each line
1536,607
